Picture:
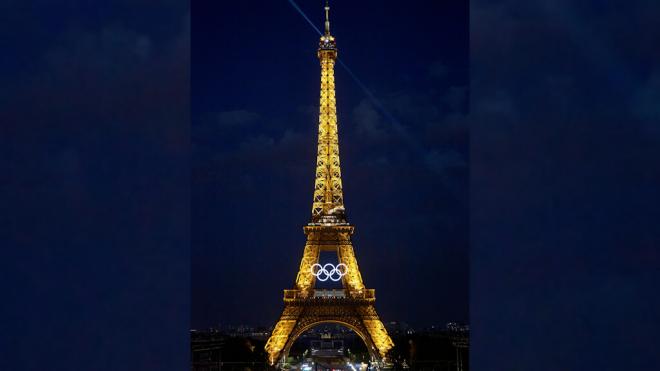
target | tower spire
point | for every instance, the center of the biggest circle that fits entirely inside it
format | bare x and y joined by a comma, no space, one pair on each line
327,18
328,205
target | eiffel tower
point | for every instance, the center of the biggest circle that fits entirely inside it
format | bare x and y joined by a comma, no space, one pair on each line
353,305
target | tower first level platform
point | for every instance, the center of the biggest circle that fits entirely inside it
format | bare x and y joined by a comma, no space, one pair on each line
352,306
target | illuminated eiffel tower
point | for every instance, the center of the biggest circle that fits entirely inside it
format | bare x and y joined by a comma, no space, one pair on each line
353,305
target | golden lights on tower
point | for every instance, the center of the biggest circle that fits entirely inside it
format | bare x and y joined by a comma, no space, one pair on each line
328,230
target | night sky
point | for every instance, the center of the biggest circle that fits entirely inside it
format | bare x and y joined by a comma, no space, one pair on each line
255,92
565,152
94,188
102,231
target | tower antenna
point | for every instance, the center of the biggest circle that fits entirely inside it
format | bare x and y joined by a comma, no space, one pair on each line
327,18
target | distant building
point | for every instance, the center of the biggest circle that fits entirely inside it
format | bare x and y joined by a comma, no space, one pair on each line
206,350
327,346
396,328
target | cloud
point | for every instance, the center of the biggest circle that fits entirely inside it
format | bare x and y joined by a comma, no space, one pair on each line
438,70
236,118
561,154
440,162
455,97
224,127
109,50
646,102
258,143
112,77
97,97
308,111
368,121
285,148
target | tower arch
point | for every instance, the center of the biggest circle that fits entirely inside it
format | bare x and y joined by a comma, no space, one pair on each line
359,330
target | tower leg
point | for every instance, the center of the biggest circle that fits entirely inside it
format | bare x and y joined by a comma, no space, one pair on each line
281,333
305,279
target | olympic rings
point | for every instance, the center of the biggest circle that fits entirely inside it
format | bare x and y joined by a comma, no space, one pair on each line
334,273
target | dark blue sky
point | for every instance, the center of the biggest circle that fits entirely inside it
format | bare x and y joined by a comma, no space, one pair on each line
96,165
255,91
565,144
94,151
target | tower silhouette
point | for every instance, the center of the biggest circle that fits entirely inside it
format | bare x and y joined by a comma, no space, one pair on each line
328,230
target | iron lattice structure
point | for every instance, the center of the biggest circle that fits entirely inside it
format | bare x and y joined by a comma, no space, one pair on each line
304,306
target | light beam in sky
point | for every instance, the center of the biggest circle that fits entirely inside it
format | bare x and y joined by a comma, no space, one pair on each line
398,127
293,4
